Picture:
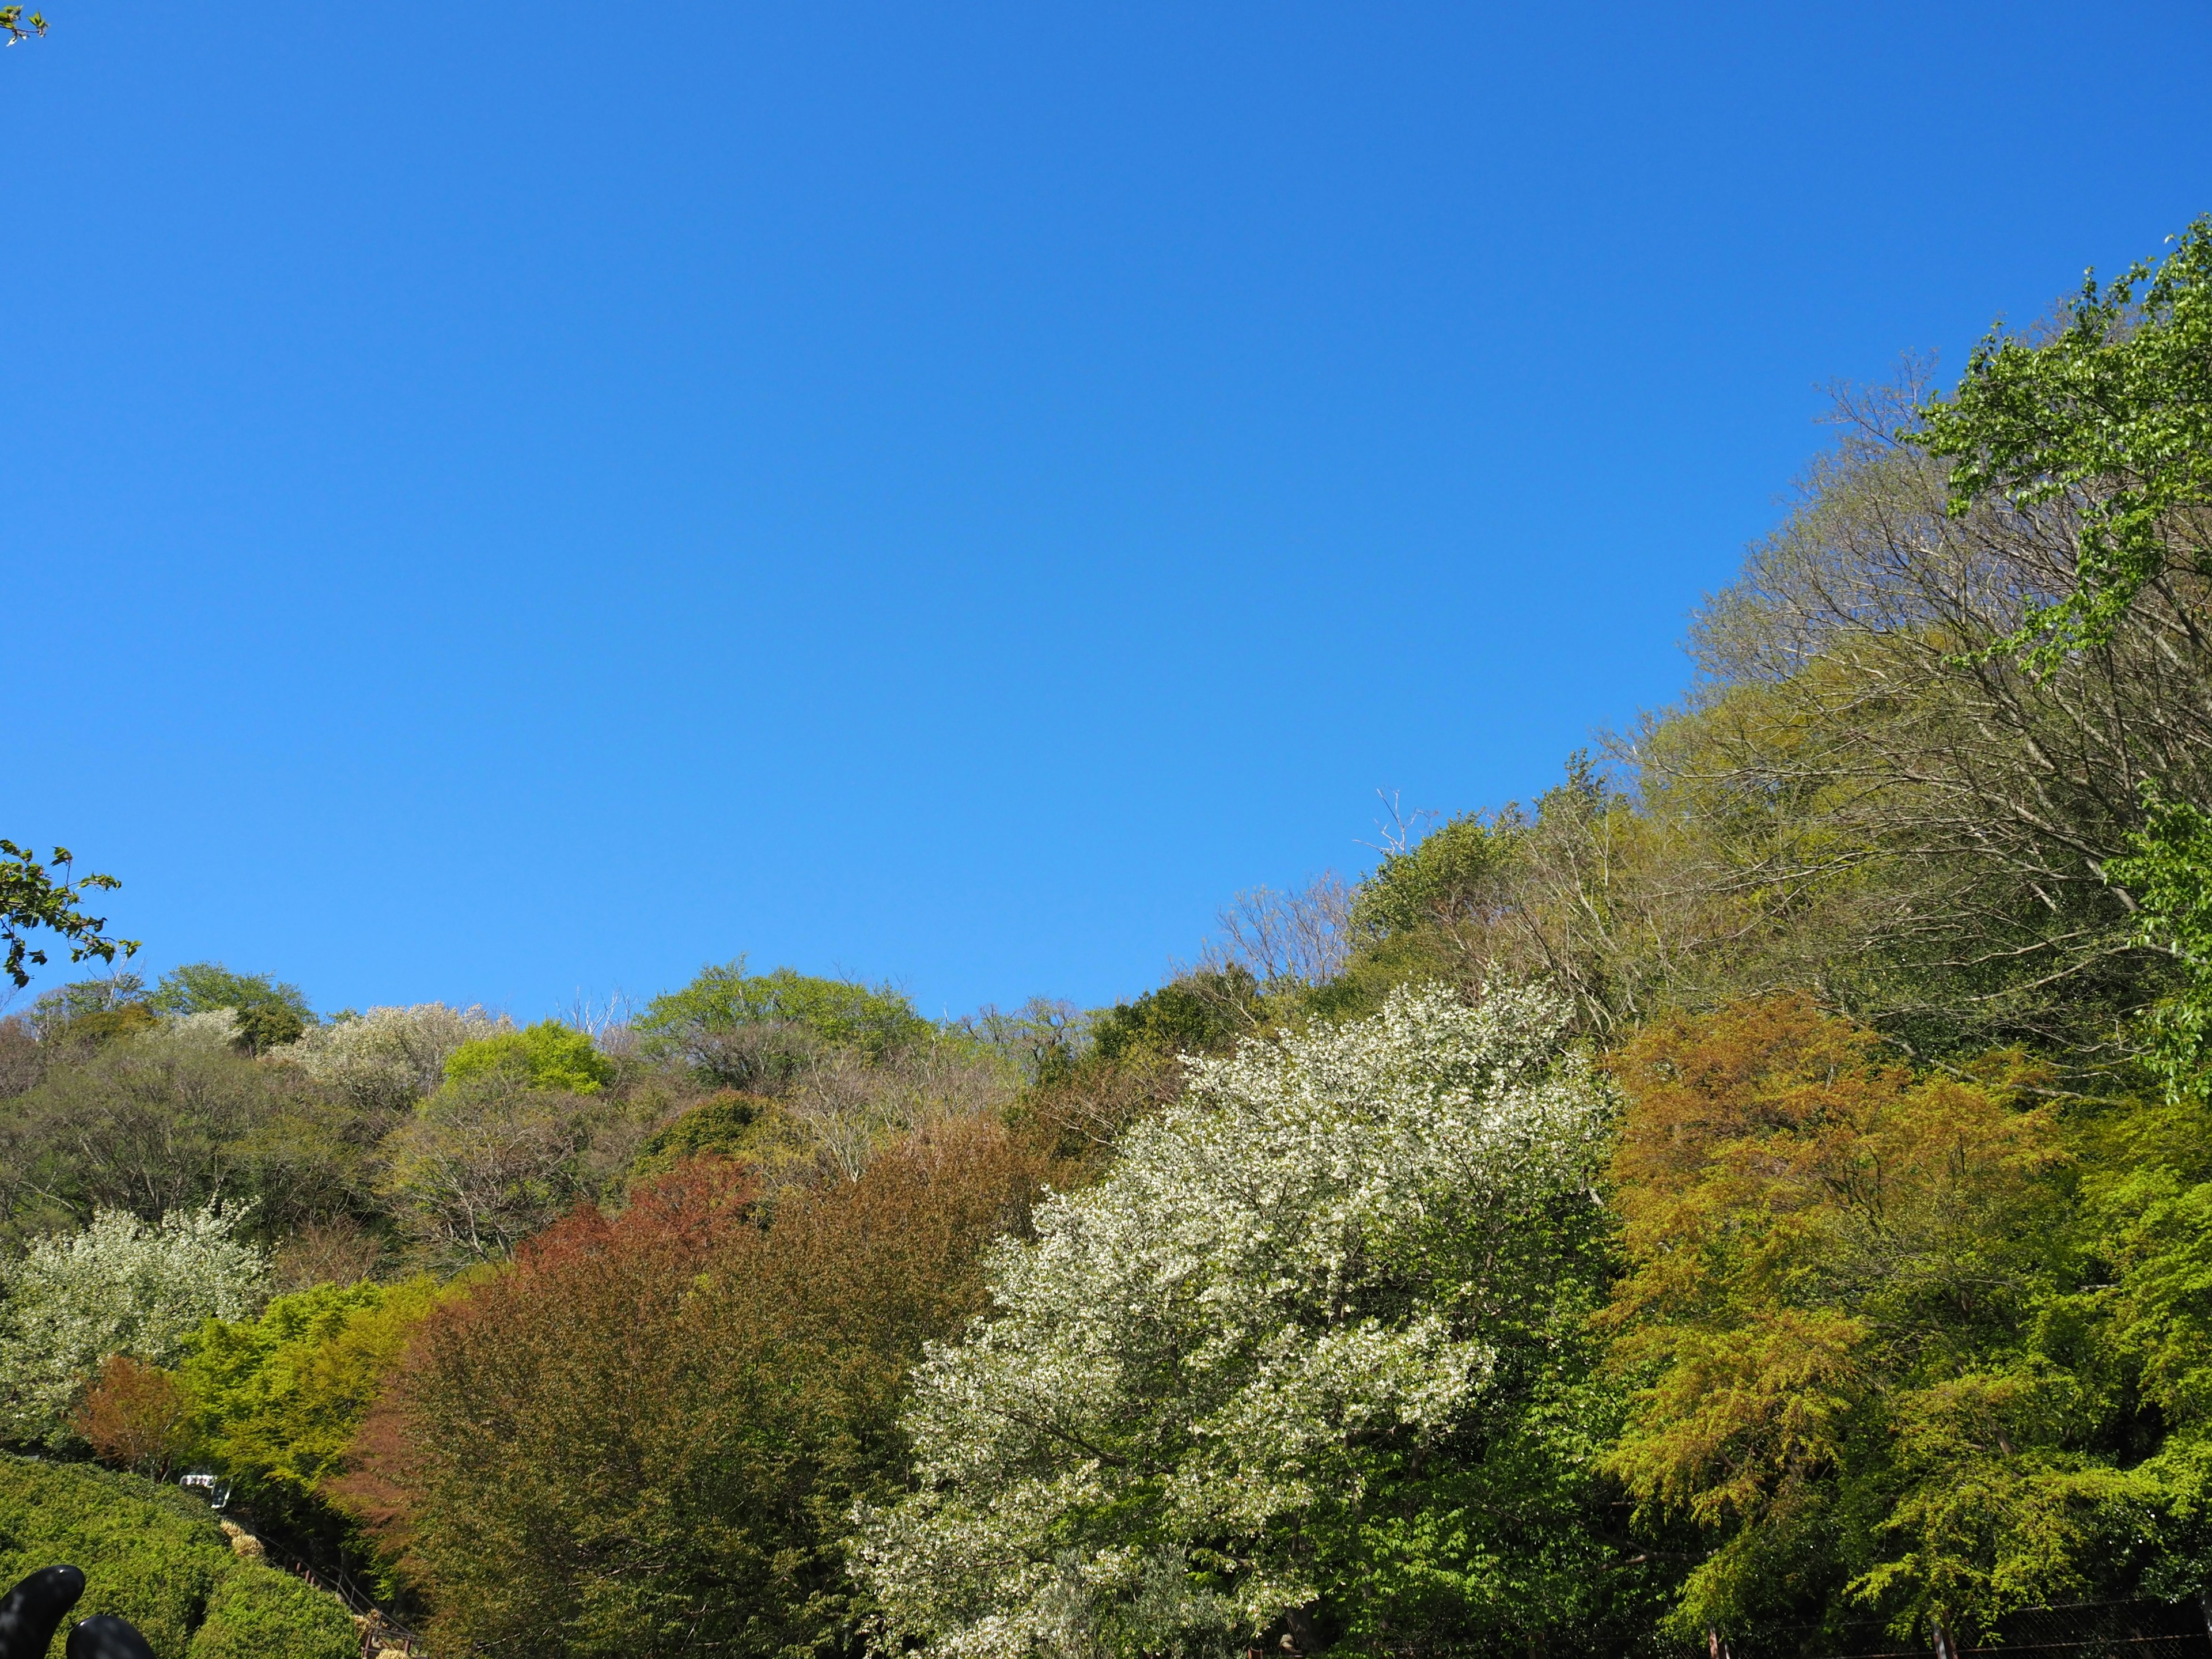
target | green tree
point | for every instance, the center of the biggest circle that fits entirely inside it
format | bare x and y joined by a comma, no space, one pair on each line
2147,1186
168,1119
1439,881
270,1014
276,1401
2169,871
1197,1013
1859,1315
34,896
2104,430
86,1013
490,1160
546,1055
756,1031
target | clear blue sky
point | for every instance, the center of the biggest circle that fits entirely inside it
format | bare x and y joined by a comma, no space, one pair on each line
503,499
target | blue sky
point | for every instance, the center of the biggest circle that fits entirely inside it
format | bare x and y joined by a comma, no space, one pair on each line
507,500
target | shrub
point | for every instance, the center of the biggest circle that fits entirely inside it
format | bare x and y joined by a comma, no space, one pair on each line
135,1416
154,1555
257,1613
644,1436
721,1126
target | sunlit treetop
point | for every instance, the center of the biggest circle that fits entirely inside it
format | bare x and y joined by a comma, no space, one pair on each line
2108,419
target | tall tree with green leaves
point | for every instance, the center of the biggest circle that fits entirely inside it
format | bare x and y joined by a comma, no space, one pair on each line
2104,426
2169,871
1859,1315
745,1030
269,1014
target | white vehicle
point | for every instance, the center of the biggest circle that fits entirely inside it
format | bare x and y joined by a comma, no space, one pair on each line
213,1488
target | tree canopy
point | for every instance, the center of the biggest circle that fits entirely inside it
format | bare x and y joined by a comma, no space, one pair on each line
2099,431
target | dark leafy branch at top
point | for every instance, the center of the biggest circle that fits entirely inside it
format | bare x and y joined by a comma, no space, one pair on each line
32,896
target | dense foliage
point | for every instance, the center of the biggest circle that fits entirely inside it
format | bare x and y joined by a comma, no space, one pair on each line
1756,1195
155,1556
121,1286
1289,1363
645,1437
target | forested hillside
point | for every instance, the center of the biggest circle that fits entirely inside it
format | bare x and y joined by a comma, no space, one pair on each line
1757,1195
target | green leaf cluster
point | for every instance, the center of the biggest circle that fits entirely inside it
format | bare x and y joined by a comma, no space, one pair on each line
1199,1013
2169,870
724,1125
34,896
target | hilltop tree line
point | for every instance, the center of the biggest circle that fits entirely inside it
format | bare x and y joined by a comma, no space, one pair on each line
1759,1192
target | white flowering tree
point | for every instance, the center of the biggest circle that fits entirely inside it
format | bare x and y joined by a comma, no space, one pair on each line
1297,1287
122,1285
382,1061
211,1028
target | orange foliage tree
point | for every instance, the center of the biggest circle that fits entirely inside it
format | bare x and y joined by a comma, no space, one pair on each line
135,1416
1845,1309
646,1435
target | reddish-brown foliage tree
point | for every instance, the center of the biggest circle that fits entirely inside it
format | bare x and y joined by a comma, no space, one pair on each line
135,1416
645,1436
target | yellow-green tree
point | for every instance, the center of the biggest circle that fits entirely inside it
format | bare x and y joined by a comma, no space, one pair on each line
1851,1308
276,1401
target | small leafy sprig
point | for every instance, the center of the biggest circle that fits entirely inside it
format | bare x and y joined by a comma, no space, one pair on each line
34,895
21,28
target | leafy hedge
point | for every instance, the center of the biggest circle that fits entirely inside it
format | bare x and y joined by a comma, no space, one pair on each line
257,1613
155,1555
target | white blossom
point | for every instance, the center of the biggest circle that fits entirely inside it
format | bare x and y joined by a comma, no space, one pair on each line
213,1028
382,1061
122,1285
1288,1261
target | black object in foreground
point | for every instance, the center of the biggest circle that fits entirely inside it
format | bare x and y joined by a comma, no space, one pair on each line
105,1637
33,1611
